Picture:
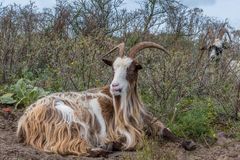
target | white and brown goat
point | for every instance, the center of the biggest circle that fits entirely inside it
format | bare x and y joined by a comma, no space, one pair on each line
214,42
215,49
97,121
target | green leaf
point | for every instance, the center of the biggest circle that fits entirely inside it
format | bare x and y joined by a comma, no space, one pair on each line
25,93
7,99
20,88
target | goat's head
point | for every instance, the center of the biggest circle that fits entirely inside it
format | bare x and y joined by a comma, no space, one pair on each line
125,68
215,49
216,43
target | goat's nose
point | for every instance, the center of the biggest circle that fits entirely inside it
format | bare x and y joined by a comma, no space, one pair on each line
212,58
115,84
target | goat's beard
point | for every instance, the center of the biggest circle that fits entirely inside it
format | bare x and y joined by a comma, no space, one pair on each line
128,117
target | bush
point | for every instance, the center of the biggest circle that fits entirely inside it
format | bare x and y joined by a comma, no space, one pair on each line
23,92
194,118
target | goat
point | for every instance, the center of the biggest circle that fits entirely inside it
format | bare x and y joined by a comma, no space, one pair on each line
97,121
215,50
215,46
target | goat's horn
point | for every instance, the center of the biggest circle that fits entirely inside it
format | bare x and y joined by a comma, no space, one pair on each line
228,35
121,48
222,31
142,45
210,33
203,44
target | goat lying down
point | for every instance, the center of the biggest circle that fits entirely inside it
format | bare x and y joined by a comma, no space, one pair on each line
97,121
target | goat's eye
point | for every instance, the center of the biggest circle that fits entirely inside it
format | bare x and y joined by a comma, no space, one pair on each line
130,69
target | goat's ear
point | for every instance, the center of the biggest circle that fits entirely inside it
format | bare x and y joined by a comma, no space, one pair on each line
203,48
108,62
226,45
138,66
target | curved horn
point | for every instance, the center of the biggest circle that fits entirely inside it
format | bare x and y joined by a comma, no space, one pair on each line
222,31
203,43
121,48
142,45
228,35
210,34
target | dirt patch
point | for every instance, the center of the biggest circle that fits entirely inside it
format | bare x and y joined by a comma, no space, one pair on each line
10,149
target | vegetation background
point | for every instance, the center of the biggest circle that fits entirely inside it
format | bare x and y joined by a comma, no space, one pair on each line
60,49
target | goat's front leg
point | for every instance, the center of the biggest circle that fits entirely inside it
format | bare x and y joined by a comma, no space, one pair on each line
154,127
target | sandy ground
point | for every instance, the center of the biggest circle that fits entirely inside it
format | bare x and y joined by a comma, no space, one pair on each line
10,149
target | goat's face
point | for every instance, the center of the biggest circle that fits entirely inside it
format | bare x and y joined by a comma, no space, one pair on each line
215,50
217,44
125,68
125,71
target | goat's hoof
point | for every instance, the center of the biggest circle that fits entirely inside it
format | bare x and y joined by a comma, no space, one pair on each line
114,146
189,145
99,152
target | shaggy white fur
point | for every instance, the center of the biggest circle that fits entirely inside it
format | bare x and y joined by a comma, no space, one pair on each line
66,111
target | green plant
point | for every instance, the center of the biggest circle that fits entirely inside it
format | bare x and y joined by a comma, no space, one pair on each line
194,118
23,92
7,99
151,151
146,153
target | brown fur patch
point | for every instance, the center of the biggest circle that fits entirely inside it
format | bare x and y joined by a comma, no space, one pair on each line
132,73
106,105
106,90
